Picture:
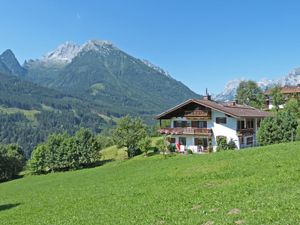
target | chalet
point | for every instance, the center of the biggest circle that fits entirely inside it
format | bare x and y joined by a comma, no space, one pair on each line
287,91
196,124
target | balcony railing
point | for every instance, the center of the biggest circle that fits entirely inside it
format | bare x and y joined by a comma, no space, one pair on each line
186,130
197,113
246,131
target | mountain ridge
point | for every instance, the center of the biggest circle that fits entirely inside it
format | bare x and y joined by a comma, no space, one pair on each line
101,72
229,92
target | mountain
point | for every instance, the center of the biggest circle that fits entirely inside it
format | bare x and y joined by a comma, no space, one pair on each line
10,65
63,54
29,113
100,72
229,92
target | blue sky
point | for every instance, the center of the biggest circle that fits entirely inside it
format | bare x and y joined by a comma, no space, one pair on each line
201,43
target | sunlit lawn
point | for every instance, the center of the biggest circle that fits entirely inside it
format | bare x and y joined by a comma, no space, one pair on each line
255,186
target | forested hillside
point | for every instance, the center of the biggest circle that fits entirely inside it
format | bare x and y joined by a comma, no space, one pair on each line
102,73
29,113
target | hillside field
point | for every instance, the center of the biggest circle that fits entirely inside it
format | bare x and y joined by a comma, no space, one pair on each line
252,186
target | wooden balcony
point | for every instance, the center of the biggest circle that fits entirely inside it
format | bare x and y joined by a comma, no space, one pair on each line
198,114
245,131
186,130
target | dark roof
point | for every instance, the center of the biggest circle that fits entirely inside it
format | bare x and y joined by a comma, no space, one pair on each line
286,90
232,109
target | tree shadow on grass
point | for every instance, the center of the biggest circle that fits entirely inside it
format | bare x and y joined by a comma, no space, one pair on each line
8,206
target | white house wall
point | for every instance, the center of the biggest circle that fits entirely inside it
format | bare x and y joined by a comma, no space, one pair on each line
228,130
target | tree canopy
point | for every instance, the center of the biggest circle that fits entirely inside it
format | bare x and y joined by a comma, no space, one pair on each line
250,94
282,127
64,152
12,161
128,133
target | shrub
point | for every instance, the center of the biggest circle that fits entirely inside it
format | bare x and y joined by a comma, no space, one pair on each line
298,132
282,127
145,145
62,152
162,145
221,143
128,133
189,151
12,161
231,145
171,148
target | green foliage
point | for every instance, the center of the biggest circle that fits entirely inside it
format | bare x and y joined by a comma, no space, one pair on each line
12,161
162,145
189,151
145,145
63,152
261,183
223,145
293,106
277,97
116,82
298,132
105,141
231,145
128,132
279,128
30,113
250,94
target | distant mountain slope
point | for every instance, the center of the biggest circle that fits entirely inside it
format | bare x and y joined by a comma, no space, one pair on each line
29,113
101,72
10,65
229,92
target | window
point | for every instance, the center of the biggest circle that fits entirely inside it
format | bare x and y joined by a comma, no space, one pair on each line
240,124
249,140
182,124
199,124
250,123
201,142
221,120
202,124
195,124
241,139
182,140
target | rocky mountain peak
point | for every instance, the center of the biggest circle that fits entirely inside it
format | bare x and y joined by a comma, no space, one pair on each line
10,64
63,53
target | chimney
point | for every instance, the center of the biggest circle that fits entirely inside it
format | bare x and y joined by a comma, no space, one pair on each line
207,97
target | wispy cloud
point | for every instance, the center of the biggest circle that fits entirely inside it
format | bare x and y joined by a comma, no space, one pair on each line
78,16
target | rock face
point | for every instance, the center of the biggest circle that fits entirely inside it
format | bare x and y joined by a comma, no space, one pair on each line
10,65
63,53
101,72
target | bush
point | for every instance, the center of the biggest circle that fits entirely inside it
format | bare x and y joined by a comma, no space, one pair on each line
231,145
61,152
282,127
221,143
145,145
128,133
298,132
12,161
189,151
162,145
171,148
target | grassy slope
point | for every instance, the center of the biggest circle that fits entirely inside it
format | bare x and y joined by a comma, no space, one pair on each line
262,183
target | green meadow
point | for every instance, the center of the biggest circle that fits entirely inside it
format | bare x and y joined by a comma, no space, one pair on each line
251,186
